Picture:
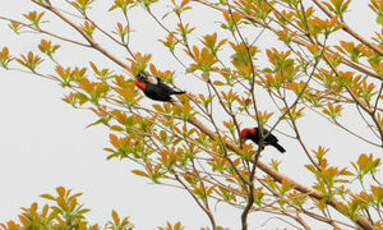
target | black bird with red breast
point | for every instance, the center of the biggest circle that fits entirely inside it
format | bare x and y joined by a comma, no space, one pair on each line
254,135
155,89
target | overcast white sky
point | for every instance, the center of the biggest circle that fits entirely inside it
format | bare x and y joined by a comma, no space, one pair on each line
44,142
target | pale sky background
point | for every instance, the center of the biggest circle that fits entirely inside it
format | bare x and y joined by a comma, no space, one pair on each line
44,142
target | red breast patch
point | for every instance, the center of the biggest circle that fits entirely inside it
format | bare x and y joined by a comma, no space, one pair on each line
139,84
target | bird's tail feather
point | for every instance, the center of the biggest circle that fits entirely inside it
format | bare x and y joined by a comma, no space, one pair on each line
279,147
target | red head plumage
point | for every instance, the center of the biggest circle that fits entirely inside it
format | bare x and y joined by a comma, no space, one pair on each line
245,131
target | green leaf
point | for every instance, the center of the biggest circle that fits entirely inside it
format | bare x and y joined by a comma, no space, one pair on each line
379,19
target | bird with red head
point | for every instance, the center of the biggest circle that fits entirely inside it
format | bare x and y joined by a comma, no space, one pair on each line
254,135
155,89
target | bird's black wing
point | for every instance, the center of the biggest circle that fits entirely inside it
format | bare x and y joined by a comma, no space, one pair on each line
165,88
270,138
